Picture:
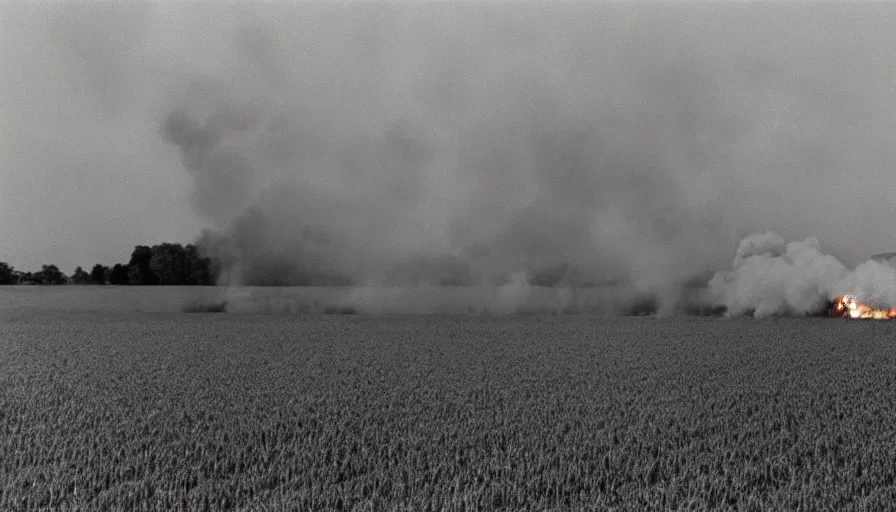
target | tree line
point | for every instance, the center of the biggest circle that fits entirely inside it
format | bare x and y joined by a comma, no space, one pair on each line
162,264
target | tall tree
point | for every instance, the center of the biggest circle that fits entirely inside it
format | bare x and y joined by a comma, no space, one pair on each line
79,276
50,274
118,274
98,274
200,271
139,271
168,262
7,274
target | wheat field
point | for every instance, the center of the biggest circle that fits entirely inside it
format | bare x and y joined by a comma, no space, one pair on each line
174,411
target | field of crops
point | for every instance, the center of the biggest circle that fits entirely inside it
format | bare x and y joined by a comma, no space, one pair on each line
173,411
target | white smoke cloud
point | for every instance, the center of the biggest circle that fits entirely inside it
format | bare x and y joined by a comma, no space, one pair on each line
770,277
874,283
512,295
403,143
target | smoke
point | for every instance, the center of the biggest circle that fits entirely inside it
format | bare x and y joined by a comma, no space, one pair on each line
485,156
772,278
873,281
434,144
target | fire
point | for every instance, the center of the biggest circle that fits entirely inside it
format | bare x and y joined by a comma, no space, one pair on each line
848,306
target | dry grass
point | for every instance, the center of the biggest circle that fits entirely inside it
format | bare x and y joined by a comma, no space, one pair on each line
216,412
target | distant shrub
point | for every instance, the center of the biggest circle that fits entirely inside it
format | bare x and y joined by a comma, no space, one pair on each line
705,310
644,306
339,310
219,306
571,310
535,311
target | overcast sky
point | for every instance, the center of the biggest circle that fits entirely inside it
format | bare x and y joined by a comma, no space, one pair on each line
690,126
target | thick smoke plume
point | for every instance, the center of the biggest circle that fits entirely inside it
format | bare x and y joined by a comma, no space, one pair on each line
435,144
398,152
772,278
473,145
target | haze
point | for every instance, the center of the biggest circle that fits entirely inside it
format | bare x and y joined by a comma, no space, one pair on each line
630,141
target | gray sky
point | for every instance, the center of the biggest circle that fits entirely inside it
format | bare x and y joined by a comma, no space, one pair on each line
645,139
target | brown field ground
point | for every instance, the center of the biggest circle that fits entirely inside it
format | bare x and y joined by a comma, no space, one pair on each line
122,410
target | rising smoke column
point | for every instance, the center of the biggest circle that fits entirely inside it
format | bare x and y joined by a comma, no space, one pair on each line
484,156
771,277
469,145
634,142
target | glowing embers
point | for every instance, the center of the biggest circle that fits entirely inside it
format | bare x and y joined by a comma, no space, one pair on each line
848,306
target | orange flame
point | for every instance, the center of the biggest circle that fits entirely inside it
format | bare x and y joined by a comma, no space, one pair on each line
848,306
